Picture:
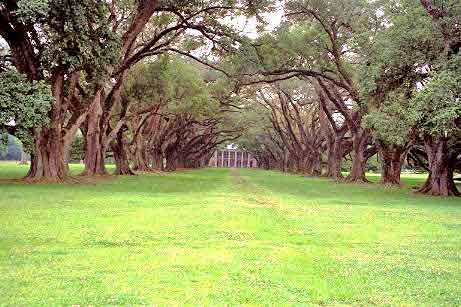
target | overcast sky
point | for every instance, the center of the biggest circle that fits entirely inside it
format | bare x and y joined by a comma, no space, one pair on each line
248,26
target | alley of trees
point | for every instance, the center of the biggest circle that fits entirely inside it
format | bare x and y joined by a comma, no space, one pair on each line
160,84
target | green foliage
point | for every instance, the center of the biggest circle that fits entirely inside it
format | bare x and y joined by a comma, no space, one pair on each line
33,10
187,89
401,51
175,84
23,105
390,123
256,121
407,54
74,34
80,37
397,62
437,108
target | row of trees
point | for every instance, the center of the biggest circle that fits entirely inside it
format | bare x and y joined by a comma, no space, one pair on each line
179,115
354,78
67,64
151,81
174,118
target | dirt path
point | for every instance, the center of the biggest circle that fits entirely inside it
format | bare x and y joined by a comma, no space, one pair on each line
253,192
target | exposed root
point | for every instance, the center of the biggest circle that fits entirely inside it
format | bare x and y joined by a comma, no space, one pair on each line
435,190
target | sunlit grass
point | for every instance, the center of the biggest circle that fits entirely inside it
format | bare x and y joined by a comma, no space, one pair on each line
222,237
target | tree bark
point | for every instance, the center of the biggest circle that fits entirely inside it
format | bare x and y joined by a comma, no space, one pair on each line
141,161
122,165
360,158
392,158
157,160
336,152
440,181
174,161
314,164
94,151
47,160
171,165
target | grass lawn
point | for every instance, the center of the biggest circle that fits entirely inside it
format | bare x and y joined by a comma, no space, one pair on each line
219,236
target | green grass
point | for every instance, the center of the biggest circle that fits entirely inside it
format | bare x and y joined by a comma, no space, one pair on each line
221,237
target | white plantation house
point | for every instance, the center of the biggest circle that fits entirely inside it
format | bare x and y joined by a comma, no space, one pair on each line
233,158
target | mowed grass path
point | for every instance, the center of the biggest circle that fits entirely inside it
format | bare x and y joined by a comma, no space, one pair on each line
226,237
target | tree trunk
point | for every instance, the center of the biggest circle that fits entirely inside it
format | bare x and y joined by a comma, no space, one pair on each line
47,160
392,158
314,164
69,137
94,151
440,181
302,165
122,165
335,157
157,160
284,162
360,158
174,162
334,165
23,160
141,161
171,164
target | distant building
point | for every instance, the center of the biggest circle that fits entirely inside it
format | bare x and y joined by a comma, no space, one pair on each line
233,158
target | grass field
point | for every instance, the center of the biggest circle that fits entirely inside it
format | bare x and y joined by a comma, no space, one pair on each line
226,237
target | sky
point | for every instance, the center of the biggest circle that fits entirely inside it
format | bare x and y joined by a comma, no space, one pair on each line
248,26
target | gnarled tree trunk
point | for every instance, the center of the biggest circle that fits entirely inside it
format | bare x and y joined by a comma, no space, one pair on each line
122,165
157,160
392,158
301,164
171,165
97,141
141,160
315,164
94,151
337,149
174,161
47,160
361,154
334,161
440,181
